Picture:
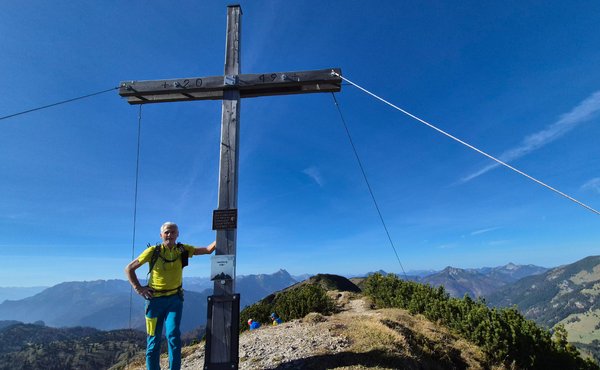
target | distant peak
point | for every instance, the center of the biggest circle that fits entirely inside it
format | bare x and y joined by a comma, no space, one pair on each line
453,270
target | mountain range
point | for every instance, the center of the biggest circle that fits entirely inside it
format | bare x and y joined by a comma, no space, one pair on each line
567,295
479,282
105,304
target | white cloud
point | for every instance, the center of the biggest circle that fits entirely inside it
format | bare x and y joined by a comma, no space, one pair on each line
447,246
314,174
567,122
483,231
592,185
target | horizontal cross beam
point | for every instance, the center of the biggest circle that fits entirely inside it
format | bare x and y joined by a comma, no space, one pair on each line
249,85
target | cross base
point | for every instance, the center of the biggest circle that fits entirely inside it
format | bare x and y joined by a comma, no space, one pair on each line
214,359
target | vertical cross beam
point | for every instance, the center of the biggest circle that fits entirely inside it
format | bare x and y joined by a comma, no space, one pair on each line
222,344
230,126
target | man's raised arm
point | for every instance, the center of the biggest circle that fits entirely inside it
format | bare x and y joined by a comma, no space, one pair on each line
205,250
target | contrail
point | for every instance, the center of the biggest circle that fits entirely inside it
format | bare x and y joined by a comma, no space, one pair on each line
567,122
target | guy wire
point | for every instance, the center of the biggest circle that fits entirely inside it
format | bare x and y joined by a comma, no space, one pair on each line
135,198
58,103
367,182
469,145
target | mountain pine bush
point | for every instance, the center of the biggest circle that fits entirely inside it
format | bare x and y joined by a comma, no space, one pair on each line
504,335
291,304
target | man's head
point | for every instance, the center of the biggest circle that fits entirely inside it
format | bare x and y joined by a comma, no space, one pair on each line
169,233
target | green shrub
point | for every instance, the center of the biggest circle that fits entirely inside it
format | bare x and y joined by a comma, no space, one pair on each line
504,335
299,302
291,304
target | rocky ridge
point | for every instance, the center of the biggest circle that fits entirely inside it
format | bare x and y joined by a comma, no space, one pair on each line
358,337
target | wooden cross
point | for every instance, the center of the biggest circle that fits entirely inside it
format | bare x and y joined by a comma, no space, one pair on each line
223,318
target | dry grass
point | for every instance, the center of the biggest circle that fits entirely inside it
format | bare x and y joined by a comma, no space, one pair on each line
193,349
410,339
139,362
135,363
587,276
369,335
313,318
583,327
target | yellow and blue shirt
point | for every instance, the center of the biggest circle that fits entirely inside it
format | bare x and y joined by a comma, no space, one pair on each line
165,276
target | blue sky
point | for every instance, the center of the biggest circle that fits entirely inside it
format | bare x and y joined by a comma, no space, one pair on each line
519,80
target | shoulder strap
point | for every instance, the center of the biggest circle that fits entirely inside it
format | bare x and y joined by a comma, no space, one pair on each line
184,255
154,258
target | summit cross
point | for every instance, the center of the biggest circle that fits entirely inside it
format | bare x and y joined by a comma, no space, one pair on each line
223,306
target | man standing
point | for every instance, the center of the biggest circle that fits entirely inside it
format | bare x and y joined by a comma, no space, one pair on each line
164,293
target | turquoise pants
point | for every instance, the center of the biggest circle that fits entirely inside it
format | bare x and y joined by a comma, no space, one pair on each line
163,311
